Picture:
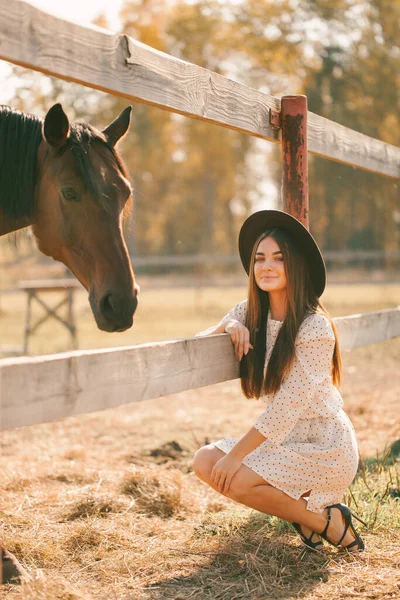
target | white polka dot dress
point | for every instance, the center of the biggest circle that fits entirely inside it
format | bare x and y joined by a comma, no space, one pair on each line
310,441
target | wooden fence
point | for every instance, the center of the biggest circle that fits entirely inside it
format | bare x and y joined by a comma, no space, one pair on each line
367,258
117,64
34,390
44,388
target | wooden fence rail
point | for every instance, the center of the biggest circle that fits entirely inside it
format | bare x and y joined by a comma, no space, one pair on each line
118,64
44,388
175,260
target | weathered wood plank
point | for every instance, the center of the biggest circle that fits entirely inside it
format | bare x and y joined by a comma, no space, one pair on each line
344,145
120,65
45,388
49,285
368,328
40,389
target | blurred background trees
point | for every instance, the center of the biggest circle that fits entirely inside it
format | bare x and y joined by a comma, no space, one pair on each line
194,182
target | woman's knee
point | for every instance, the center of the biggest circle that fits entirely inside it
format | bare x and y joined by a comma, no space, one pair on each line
204,460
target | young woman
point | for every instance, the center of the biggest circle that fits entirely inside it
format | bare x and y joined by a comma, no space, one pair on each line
301,453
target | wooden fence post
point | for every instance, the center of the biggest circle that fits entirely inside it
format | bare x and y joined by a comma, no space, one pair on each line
295,157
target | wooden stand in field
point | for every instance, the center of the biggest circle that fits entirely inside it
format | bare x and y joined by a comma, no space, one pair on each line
33,289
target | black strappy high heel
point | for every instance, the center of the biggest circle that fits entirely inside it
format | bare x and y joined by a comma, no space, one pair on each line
316,546
347,514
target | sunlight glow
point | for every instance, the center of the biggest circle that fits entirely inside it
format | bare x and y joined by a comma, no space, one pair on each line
83,12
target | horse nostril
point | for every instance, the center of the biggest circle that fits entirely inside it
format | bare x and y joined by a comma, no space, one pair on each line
118,309
106,306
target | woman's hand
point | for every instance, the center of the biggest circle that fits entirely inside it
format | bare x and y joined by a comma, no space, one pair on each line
240,337
224,470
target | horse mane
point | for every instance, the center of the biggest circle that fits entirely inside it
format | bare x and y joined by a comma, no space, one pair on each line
20,136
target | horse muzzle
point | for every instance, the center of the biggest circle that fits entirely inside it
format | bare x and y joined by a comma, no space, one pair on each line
115,309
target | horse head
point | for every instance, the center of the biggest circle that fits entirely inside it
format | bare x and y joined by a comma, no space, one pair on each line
82,191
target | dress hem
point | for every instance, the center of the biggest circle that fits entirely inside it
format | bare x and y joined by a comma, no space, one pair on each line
279,486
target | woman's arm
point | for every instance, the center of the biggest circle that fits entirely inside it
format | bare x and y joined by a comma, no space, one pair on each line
239,333
236,314
311,366
249,442
234,324
214,329
226,467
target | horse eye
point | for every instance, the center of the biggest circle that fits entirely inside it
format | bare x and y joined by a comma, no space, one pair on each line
70,194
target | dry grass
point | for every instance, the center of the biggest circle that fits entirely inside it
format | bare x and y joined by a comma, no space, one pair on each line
154,495
222,551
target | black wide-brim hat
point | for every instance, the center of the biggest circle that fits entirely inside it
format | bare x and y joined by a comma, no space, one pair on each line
260,221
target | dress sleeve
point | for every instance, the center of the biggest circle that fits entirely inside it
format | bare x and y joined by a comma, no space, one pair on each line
312,364
238,313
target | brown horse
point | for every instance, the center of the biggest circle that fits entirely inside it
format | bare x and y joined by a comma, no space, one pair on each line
69,183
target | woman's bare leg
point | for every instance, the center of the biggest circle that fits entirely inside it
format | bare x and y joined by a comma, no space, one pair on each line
250,489
270,500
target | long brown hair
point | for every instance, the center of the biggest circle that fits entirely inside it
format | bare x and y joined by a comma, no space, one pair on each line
301,298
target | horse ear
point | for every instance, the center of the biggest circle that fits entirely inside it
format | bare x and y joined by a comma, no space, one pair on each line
119,126
56,127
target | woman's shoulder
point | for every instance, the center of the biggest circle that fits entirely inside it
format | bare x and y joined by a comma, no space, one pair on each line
238,312
240,309
242,305
315,325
